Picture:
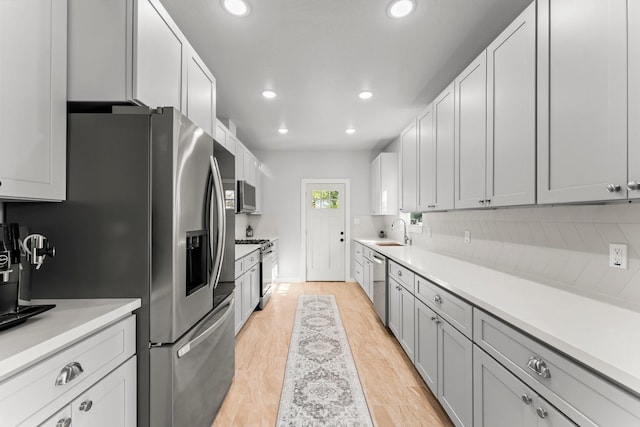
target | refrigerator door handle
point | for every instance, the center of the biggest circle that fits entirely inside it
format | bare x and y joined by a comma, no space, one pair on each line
211,329
222,221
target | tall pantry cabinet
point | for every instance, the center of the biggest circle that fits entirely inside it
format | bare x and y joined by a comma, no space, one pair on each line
33,99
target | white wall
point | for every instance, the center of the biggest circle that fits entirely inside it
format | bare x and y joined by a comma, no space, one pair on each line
283,172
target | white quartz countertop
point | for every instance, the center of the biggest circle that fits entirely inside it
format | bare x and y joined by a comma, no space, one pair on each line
243,250
70,320
600,335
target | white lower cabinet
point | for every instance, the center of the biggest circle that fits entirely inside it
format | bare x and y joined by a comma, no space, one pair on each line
401,316
443,357
247,290
502,400
90,383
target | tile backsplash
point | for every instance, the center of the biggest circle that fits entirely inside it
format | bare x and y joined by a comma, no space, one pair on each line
561,246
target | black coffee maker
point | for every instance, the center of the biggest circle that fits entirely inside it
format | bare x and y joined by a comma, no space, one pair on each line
9,267
19,251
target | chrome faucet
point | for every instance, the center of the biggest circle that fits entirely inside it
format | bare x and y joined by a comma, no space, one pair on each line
407,240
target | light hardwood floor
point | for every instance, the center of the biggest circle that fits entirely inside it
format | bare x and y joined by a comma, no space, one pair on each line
395,393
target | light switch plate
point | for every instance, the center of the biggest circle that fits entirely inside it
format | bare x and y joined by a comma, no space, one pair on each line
618,257
467,236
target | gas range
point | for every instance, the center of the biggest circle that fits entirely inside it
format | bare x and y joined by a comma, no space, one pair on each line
265,244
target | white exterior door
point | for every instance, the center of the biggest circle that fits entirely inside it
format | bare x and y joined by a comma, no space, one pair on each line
325,231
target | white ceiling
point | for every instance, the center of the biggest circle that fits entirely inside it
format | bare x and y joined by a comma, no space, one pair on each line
318,54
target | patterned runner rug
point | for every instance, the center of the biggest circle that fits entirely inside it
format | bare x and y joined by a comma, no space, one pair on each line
321,384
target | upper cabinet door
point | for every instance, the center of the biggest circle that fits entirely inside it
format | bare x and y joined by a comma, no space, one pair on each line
33,99
634,99
201,94
408,149
158,53
444,143
511,113
471,134
582,100
374,182
426,160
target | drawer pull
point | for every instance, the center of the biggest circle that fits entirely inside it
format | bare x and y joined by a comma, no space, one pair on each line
399,273
539,367
65,422
542,413
526,399
69,373
86,405
437,299
435,319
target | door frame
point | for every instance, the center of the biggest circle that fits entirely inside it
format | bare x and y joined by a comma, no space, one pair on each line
347,223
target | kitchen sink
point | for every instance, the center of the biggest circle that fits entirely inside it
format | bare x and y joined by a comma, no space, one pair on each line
388,244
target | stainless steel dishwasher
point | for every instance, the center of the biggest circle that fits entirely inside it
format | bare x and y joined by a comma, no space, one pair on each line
380,286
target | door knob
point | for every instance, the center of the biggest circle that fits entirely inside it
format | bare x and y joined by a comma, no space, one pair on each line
542,413
86,405
632,186
613,188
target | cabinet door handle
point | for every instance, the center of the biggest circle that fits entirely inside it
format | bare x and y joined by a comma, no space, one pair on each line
253,271
542,413
437,299
399,273
436,320
632,186
69,373
481,201
526,399
539,366
86,405
65,422
613,188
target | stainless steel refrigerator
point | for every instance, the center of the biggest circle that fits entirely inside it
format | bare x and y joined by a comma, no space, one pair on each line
150,214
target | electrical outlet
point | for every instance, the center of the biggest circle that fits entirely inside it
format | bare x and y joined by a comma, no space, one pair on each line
467,236
618,255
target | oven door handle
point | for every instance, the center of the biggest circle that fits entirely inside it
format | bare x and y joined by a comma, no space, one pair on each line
378,260
222,221
211,329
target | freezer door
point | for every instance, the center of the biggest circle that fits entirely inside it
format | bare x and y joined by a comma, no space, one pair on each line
190,379
181,286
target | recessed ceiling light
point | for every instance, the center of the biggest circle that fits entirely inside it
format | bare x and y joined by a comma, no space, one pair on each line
401,8
350,131
236,7
365,94
269,94
283,130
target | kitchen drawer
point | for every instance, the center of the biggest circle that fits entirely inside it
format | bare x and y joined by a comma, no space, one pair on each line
239,265
358,252
403,275
367,253
585,397
250,260
454,310
35,387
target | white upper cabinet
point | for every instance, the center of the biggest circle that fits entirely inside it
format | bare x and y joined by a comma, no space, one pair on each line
634,99
201,93
409,166
240,153
511,114
384,184
582,100
426,167
132,51
471,135
33,95
436,128
224,137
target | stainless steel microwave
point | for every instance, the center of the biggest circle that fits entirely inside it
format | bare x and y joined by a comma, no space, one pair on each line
246,197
